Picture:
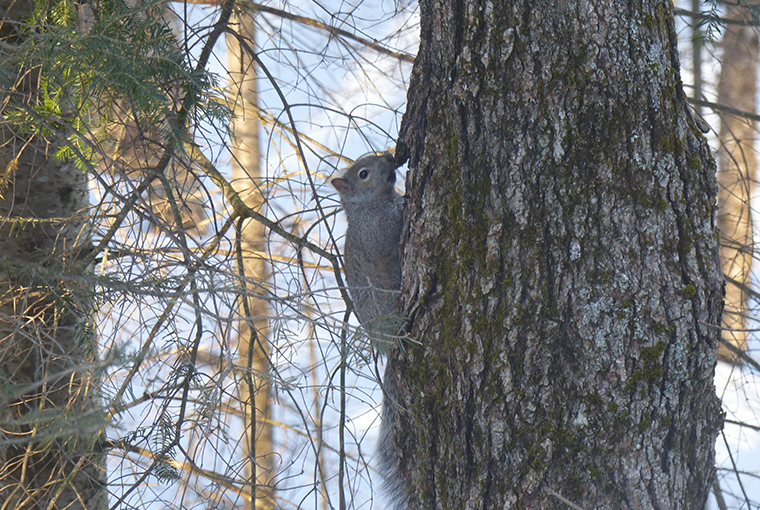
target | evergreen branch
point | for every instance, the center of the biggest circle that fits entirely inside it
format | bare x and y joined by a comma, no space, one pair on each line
33,221
208,252
187,466
18,267
712,18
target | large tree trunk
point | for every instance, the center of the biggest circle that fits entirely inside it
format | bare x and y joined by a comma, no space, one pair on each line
736,171
253,346
561,269
50,416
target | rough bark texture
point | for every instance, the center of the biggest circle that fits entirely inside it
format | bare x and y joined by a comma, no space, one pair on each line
253,343
50,414
561,266
737,164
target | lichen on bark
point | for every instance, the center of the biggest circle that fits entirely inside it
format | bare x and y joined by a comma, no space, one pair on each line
560,262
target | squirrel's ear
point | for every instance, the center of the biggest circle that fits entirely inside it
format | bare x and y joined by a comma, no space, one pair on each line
342,185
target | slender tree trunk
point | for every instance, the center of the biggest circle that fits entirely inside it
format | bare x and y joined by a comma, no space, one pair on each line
561,269
252,334
696,56
737,164
50,416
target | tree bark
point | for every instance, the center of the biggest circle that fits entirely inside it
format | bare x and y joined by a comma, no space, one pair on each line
737,166
561,271
253,346
51,419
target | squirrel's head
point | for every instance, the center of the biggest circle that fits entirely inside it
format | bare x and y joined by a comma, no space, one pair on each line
370,178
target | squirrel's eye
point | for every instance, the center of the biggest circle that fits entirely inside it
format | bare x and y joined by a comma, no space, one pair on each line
364,174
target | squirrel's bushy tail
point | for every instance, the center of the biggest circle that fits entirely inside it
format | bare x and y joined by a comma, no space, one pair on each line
388,460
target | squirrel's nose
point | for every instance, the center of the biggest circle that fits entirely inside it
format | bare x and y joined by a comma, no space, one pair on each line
392,176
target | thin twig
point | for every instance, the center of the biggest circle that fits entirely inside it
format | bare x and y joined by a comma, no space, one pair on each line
242,210
733,463
562,499
727,109
311,22
740,354
718,493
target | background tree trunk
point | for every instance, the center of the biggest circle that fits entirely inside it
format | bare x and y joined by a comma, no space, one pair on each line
50,414
253,346
696,55
736,171
563,275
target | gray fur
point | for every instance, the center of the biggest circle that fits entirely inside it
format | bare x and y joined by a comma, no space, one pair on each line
375,213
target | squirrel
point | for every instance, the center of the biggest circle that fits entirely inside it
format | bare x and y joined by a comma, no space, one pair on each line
375,213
